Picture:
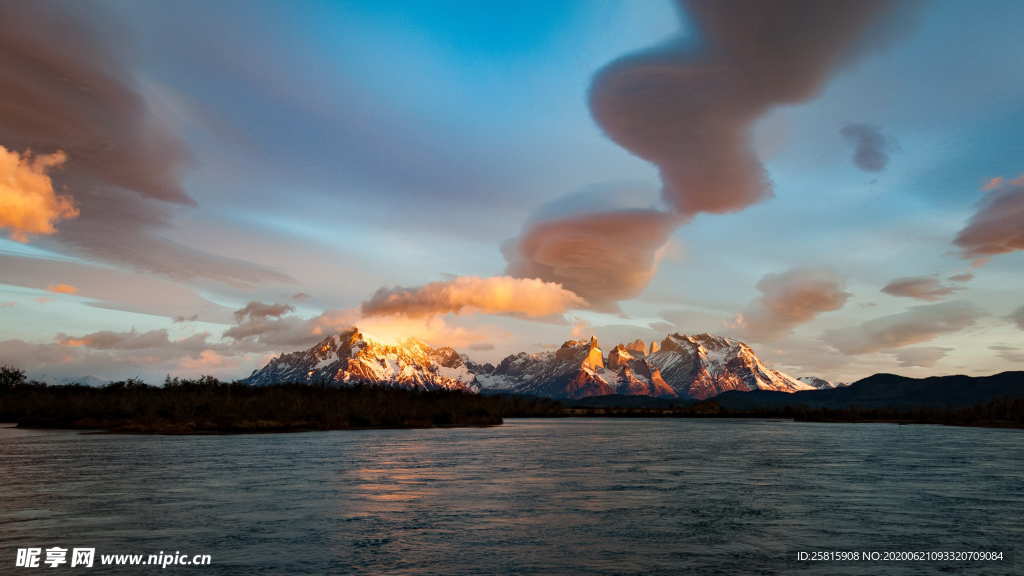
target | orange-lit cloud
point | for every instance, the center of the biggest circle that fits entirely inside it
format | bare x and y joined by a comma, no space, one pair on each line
29,205
434,330
287,332
528,297
789,299
62,289
66,86
998,225
208,361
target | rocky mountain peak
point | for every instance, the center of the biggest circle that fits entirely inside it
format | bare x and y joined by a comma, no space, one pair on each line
350,358
637,346
619,357
686,366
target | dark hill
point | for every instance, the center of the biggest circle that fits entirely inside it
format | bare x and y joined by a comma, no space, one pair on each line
887,391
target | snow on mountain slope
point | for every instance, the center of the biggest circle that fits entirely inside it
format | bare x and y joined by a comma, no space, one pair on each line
703,365
818,383
349,358
694,367
680,366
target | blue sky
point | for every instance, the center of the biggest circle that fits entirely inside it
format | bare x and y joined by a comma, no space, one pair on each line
334,148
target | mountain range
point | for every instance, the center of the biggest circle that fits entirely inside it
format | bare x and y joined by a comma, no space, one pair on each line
680,366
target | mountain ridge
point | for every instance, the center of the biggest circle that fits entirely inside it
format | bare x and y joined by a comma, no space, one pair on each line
688,367
884,390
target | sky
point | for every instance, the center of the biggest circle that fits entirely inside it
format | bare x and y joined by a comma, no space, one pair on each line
192,188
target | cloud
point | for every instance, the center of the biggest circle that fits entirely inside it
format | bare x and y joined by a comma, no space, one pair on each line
62,289
115,289
271,329
871,146
122,355
919,287
28,203
789,299
209,361
289,332
1011,353
300,296
924,356
965,277
689,107
689,110
30,355
132,340
66,89
603,257
915,325
259,310
1018,317
997,227
525,297
695,321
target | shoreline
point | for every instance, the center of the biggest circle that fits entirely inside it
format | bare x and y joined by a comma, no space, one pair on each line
176,429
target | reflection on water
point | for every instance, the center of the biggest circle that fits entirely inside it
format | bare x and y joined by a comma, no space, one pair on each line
530,497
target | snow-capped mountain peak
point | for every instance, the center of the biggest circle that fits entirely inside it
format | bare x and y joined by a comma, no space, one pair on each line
350,358
685,366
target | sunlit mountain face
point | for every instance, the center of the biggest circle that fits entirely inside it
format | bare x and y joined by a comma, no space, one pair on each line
679,366
841,191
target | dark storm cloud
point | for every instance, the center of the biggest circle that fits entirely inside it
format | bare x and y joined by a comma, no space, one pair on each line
65,90
689,107
870,146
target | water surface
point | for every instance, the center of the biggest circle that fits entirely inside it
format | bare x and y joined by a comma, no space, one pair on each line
561,496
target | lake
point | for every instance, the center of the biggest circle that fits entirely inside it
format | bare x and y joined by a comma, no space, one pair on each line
534,496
